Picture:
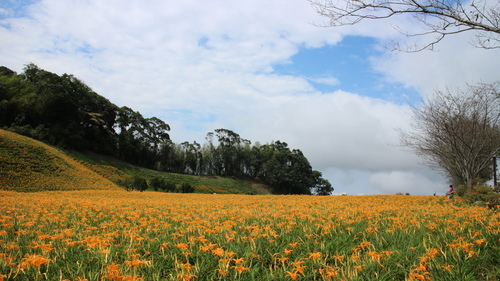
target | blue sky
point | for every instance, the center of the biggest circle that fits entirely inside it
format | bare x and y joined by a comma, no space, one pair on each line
15,8
349,65
268,74
348,62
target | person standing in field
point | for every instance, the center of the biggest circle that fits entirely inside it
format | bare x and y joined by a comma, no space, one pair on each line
451,192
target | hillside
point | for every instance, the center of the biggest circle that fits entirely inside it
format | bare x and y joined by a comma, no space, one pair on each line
64,112
29,165
117,170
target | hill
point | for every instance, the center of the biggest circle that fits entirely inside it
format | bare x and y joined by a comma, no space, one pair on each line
120,172
30,165
62,111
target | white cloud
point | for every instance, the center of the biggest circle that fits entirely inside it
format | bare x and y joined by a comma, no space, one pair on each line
407,182
352,131
327,80
455,63
203,65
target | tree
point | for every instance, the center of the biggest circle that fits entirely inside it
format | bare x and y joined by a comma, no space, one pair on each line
140,139
156,131
192,157
229,153
64,111
286,171
458,132
96,115
322,186
437,17
59,110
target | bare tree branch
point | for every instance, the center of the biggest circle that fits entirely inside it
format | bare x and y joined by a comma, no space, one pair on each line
439,17
458,132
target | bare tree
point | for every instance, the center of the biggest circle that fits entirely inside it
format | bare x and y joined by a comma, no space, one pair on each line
438,17
458,132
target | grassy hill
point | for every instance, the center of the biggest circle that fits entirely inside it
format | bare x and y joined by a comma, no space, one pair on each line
116,171
29,165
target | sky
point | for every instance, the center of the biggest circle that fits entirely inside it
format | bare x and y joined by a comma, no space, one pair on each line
266,69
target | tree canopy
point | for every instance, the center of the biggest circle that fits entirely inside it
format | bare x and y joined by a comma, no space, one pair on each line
64,111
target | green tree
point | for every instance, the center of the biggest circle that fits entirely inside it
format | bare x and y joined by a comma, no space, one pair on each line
192,157
132,144
322,186
208,152
59,110
170,157
229,152
156,132
140,139
286,171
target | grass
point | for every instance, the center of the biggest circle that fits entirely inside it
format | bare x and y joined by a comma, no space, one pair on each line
28,165
119,235
80,226
110,167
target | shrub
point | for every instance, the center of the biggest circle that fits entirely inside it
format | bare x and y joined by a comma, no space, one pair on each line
126,183
140,183
135,182
187,188
169,186
482,193
157,183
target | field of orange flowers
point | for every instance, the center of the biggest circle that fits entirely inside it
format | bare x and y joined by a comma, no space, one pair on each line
118,235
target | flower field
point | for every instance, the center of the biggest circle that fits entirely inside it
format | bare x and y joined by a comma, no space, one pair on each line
118,235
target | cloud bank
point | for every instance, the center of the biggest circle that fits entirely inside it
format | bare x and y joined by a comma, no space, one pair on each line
202,65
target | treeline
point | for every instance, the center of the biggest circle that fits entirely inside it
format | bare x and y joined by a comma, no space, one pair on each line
65,112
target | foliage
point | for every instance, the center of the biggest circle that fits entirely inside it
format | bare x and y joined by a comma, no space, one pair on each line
118,235
322,186
480,194
63,111
168,186
135,182
29,165
187,188
287,171
139,183
157,183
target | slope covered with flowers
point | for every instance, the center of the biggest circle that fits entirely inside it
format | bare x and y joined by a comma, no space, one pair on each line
30,165
118,235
